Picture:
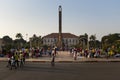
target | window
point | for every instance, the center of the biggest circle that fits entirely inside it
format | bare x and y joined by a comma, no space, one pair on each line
66,41
51,40
73,40
63,40
45,41
70,40
54,40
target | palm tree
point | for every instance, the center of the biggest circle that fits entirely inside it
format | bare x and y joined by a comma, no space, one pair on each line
83,39
19,36
93,40
86,35
36,41
87,40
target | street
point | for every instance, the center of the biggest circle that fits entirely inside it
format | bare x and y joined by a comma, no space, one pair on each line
62,71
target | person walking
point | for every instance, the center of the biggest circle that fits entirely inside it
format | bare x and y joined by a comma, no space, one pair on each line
75,54
16,55
21,59
53,57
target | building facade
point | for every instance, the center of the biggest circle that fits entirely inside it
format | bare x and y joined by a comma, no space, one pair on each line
68,39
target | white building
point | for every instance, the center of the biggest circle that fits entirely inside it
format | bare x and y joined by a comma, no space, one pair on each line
68,39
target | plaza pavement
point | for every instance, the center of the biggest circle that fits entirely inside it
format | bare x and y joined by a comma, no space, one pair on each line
66,57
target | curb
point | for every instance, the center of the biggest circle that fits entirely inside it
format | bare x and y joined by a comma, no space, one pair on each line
71,61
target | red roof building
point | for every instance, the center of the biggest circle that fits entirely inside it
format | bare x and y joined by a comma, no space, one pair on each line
68,39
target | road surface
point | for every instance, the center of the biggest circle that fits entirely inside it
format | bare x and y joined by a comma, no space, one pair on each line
62,71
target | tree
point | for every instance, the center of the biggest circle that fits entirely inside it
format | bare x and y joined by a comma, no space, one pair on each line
8,42
7,39
110,40
92,38
83,39
86,35
19,36
36,41
19,41
93,41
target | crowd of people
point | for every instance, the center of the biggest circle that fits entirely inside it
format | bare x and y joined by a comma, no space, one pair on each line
94,53
18,56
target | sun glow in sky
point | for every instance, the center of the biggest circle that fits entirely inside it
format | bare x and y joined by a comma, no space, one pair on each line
40,17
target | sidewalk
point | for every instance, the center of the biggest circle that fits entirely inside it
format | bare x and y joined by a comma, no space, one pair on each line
66,57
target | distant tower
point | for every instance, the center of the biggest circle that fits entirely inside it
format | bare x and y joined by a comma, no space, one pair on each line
60,27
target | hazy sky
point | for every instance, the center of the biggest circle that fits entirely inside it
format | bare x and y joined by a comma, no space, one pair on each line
40,17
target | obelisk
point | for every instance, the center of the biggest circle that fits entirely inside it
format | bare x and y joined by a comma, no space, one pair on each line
60,27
